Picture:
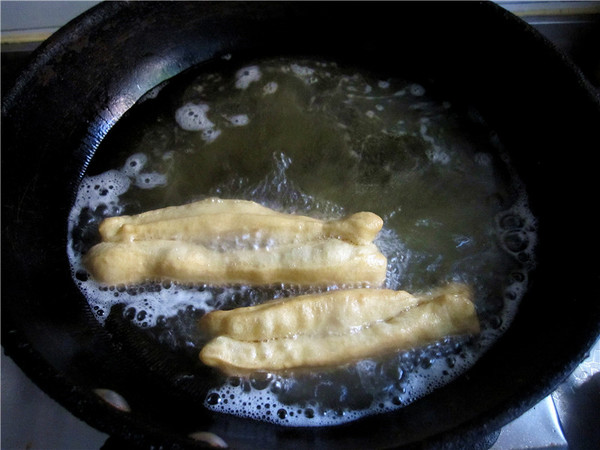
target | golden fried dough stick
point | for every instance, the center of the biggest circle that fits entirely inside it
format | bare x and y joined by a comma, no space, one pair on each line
206,221
315,264
330,312
447,312
111,226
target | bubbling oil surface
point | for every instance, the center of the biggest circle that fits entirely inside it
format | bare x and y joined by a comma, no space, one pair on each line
314,138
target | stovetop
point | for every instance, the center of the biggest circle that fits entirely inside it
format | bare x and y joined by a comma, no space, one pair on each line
569,418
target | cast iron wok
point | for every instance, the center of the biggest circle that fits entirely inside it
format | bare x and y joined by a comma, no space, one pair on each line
86,76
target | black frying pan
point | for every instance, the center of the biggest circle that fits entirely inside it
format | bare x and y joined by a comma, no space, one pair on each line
86,76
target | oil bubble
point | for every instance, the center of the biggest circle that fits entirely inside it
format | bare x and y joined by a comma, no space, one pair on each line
213,399
511,222
261,380
516,241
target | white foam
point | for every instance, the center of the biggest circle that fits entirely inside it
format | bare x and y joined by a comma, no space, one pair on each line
435,153
246,76
518,231
134,164
150,180
302,71
417,90
210,135
239,120
483,159
192,117
305,73
262,404
270,88
99,190
143,307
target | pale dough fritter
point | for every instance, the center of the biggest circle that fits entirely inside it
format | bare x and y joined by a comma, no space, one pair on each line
317,263
445,312
212,219
262,246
